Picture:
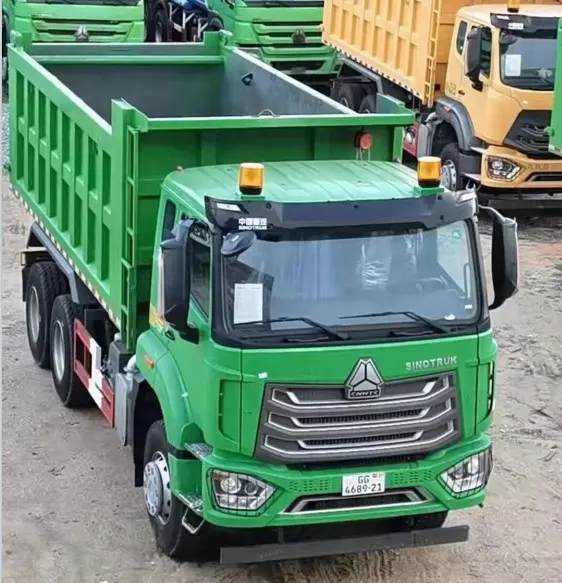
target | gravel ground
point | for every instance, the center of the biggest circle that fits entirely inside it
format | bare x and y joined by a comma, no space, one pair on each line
70,512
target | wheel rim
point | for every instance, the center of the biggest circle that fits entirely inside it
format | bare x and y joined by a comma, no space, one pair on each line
157,492
58,351
449,175
344,102
34,315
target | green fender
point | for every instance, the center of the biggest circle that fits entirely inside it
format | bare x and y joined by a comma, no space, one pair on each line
164,378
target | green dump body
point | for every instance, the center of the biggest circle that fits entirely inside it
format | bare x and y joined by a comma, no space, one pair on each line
555,129
101,126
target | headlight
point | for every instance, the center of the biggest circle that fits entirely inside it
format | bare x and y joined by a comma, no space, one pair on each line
239,492
470,475
502,169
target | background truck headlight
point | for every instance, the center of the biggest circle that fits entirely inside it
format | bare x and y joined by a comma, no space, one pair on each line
239,492
502,169
470,475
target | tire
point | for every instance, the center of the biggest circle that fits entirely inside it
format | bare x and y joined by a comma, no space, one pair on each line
350,95
160,26
450,173
44,283
368,104
69,388
427,521
171,536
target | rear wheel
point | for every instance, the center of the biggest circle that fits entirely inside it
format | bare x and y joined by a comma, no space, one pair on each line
165,511
69,388
160,26
368,104
45,282
349,95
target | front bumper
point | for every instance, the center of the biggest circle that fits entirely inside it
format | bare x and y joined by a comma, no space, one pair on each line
292,486
342,546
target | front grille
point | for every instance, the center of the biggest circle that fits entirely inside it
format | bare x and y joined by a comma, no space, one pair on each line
546,177
306,424
331,503
528,134
49,29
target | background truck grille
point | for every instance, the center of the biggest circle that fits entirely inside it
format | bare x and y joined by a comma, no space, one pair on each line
528,134
301,424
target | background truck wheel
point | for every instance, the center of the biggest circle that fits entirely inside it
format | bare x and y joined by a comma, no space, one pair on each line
450,174
165,511
160,26
368,104
45,282
70,390
350,95
427,521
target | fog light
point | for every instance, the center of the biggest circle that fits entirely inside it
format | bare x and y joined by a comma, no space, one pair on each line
470,475
502,169
238,491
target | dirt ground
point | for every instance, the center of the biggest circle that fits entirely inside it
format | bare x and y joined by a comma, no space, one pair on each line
70,512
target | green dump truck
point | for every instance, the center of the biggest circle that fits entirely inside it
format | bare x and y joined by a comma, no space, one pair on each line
70,21
289,329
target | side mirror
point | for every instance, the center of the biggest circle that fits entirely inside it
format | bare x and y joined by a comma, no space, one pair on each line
505,257
174,281
473,56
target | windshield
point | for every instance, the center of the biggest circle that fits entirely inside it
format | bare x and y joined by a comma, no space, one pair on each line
365,281
528,61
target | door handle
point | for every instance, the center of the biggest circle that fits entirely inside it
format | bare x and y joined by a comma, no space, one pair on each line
461,92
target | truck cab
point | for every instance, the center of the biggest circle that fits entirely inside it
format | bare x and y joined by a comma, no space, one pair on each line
72,21
498,99
282,33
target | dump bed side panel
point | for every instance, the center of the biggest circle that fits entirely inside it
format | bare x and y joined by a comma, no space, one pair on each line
61,166
556,119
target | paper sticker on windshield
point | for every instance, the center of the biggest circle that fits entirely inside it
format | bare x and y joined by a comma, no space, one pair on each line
248,302
252,224
512,66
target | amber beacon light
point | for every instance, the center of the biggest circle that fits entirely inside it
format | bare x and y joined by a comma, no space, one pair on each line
513,5
250,178
429,172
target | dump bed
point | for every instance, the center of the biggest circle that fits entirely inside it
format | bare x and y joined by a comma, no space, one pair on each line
406,41
94,130
555,129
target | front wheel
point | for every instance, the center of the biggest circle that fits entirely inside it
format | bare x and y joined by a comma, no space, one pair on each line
451,178
165,511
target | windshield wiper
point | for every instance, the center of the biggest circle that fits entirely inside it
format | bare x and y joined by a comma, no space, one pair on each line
333,334
412,315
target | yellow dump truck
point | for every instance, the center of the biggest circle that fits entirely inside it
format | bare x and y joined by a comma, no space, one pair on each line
479,75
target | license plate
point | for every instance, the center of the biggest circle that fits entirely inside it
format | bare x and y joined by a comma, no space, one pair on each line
361,484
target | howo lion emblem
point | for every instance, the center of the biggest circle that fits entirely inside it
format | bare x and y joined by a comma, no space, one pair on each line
364,381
